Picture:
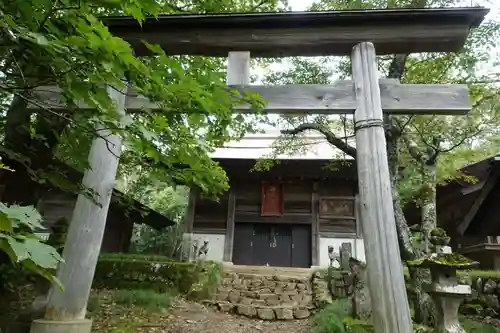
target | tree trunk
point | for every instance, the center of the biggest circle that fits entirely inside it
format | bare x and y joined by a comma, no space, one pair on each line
19,187
27,154
428,203
423,306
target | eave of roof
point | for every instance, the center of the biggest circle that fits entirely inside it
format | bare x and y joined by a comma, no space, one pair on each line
288,33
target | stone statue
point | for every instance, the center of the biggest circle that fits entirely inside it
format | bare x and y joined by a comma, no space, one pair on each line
200,252
334,257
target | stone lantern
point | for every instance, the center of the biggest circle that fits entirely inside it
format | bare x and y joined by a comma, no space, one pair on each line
444,288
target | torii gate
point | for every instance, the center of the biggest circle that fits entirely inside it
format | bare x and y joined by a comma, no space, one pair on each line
288,34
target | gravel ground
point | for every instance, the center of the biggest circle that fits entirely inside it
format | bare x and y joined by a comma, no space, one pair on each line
194,318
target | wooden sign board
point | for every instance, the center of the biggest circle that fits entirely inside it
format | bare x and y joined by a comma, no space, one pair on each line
272,199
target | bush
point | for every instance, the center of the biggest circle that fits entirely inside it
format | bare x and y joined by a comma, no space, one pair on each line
147,299
331,318
93,305
119,271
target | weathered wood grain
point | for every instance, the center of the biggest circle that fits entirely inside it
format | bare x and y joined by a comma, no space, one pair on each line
190,211
86,229
238,72
229,239
286,218
302,34
338,98
315,225
385,271
485,191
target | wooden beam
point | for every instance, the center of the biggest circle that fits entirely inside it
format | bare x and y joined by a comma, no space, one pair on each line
229,238
359,222
212,231
315,225
387,286
473,188
286,218
238,68
302,33
338,98
190,212
485,191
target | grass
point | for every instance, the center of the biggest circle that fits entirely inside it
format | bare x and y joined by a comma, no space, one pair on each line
477,327
128,311
332,318
147,299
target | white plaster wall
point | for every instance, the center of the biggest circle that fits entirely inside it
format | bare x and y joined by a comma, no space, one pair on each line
215,245
358,248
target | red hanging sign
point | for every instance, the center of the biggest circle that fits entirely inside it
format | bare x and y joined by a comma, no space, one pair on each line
272,199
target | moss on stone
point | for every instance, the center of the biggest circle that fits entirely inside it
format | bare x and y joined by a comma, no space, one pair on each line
455,260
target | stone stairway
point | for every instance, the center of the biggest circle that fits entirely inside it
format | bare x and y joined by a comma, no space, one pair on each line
267,293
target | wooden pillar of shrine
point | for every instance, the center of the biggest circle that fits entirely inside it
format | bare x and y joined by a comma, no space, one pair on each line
238,73
385,270
66,309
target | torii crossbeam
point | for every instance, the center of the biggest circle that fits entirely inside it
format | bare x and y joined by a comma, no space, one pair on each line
361,34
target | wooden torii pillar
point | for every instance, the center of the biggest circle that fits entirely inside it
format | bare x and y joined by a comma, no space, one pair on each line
303,34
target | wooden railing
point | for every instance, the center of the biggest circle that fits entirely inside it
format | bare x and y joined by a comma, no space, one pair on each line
474,241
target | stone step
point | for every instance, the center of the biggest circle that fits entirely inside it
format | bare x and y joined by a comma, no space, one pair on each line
265,297
268,270
265,292
272,277
264,312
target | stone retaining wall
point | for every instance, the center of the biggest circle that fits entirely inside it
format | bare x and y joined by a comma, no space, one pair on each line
484,299
265,297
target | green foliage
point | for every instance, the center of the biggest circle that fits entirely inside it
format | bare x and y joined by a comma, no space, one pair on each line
133,257
17,240
148,188
207,283
63,43
148,299
155,273
167,242
331,318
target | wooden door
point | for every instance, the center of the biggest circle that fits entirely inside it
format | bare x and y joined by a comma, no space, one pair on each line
301,246
243,244
265,244
262,245
280,252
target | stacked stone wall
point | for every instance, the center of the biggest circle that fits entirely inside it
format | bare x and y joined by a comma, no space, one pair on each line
484,300
264,296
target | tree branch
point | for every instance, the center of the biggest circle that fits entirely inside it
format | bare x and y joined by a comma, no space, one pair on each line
413,149
329,136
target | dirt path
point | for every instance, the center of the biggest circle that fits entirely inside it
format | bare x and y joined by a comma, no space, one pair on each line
194,318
